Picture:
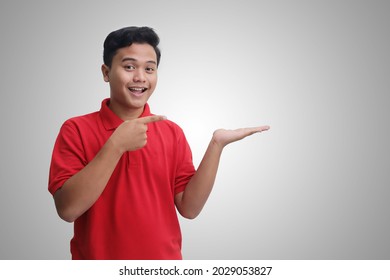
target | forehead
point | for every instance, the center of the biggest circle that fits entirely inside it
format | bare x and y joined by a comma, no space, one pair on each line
139,52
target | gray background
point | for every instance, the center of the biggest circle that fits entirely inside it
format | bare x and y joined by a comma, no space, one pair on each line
313,187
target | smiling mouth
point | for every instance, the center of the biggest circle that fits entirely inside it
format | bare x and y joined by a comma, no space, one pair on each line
137,91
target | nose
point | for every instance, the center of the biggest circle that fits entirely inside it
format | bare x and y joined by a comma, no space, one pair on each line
139,76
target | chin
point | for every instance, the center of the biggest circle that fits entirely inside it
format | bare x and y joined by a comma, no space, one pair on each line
137,104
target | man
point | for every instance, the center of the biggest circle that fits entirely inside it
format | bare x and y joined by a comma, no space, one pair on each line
120,173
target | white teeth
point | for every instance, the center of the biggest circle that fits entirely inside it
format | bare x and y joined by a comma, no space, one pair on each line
137,89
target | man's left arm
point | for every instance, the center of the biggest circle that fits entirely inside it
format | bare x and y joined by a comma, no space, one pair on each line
190,202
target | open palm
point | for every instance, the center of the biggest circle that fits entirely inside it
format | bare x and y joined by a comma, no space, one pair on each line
224,137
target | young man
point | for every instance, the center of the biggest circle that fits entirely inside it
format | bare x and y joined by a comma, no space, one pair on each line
120,173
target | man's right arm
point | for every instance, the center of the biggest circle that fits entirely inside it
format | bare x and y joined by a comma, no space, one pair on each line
82,190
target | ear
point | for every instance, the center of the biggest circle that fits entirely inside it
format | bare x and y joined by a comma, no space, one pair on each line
105,72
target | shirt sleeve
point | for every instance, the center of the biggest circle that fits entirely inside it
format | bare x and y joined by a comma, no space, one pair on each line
68,156
185,167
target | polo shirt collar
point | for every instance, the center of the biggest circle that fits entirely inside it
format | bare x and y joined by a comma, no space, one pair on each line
112,121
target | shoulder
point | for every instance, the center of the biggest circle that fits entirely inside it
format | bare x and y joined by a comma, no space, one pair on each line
78,122
170,126
171,132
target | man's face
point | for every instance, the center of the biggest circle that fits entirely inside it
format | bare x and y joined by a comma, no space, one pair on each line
132,77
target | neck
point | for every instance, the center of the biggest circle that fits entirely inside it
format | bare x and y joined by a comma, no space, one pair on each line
126,114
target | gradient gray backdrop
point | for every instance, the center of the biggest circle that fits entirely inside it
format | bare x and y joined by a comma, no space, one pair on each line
316,186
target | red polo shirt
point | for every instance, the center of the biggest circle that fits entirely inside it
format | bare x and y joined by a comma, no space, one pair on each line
135,216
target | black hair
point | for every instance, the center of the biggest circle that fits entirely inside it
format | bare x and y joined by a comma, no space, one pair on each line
124,37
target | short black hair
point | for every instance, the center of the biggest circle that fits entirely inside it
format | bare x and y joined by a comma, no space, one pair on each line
126,36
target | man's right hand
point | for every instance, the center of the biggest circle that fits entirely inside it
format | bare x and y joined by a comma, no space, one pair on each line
132,135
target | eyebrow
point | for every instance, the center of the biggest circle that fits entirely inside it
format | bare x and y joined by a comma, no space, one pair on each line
135,60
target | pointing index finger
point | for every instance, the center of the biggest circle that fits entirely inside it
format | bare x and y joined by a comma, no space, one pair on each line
150,119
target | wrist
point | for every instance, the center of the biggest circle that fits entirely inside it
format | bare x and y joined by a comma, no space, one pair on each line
216,141
114,147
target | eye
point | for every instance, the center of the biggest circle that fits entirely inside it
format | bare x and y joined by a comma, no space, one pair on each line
150,70
129,67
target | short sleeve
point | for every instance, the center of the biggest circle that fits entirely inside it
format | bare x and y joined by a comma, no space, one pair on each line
185,168
68,156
